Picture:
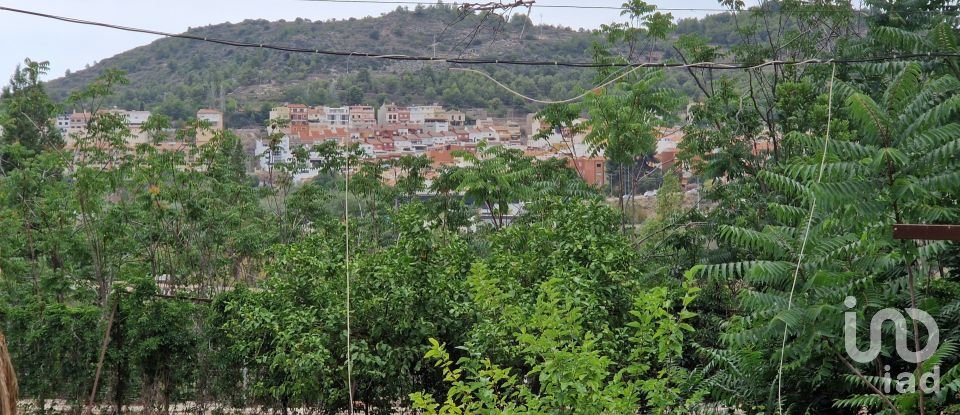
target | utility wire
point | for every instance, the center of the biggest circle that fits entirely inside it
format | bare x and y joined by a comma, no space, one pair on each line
346,267
803,245
483,61
539,5
659,9
548,102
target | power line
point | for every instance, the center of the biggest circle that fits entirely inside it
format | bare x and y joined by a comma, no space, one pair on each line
538,5
484,61
662,9
539,101
803,245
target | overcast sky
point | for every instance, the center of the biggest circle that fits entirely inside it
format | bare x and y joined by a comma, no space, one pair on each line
72,46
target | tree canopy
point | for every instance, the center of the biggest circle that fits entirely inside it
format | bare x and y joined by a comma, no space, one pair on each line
172,278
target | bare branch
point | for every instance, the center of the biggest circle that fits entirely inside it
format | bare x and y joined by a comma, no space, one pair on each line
494,6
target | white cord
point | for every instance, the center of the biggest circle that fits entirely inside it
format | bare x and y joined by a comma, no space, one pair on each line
636,67
539,101
346,216
803,245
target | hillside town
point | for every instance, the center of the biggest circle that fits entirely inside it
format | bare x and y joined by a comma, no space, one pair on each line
385,133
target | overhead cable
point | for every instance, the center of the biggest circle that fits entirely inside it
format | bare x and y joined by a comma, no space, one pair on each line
803,245
807,10
488,61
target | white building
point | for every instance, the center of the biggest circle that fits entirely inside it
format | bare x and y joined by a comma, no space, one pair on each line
214,117
420,114
482,134
367,149
437,126
269,157
403,145
134,119
456,118
449,137
280,113
337,116
282,152
63,124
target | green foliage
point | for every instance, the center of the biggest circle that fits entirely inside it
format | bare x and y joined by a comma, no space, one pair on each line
80,219
26,124
877,178
228,293
53,345
291,335
568,368
161,343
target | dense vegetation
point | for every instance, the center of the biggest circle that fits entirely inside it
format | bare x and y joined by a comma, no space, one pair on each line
222,291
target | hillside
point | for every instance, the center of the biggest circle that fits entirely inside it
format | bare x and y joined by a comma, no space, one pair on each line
175,76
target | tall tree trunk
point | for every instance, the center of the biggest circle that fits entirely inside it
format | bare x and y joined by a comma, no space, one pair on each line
120,392
8,382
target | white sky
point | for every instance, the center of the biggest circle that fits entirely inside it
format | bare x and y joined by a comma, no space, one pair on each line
72,46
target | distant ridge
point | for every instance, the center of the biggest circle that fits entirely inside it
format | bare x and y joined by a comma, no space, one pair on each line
177,76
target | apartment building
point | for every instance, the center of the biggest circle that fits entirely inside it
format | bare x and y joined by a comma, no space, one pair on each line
393,114
337,116
420,114
215,118
363,117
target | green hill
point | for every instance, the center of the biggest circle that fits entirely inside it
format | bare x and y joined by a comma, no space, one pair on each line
176,76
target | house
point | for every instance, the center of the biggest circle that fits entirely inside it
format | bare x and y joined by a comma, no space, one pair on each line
404,145
667,148
133,119
502,132
215,118
298,115
436,125
420,114
76,126
366,133
381,144
362,116
270,156
78,122
441,157
281,113
63,124
456,118
481,134
337,116
592,169
485,123
388,114
367,150
447,137
667,159
317,118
